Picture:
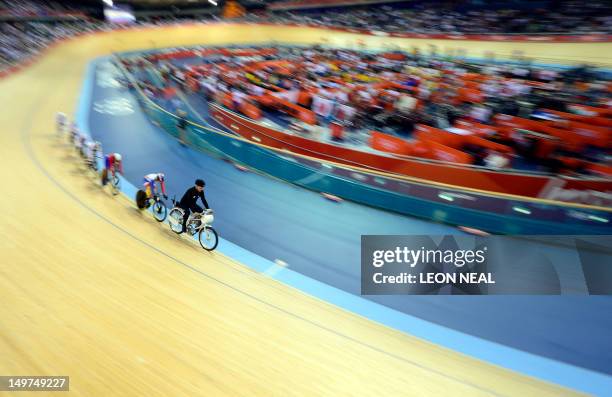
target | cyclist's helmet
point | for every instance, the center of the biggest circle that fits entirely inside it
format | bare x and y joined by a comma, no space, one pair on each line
161,177
200,183
117,157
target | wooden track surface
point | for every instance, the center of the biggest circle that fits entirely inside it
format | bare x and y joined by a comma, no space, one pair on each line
93,289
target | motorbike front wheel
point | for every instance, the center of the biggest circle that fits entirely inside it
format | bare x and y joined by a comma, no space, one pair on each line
208,238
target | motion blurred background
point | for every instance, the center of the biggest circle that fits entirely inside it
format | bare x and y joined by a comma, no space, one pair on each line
545,116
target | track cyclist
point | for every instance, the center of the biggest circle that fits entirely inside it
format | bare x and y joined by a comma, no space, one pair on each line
81,145
113,163
150,182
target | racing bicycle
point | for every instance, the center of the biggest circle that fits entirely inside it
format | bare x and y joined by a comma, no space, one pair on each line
155,202
112,180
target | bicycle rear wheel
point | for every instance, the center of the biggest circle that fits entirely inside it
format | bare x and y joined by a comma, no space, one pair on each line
141,199
208,238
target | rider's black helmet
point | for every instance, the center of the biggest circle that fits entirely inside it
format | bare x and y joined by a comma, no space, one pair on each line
200,183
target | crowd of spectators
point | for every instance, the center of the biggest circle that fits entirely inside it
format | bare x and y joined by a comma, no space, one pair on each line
435,80
19,39
571,17
344,88
29,26
23,32
33,8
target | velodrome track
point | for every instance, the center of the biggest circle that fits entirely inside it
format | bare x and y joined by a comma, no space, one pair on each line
92,289
321,240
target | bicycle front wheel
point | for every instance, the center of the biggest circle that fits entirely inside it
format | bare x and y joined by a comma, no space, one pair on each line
159,211
115,185
208,238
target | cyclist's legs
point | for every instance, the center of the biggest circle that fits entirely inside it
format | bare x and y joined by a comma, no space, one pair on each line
185,217
147,187
196,209
110,175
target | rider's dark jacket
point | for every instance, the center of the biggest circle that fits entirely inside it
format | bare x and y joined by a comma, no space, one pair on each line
189,199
